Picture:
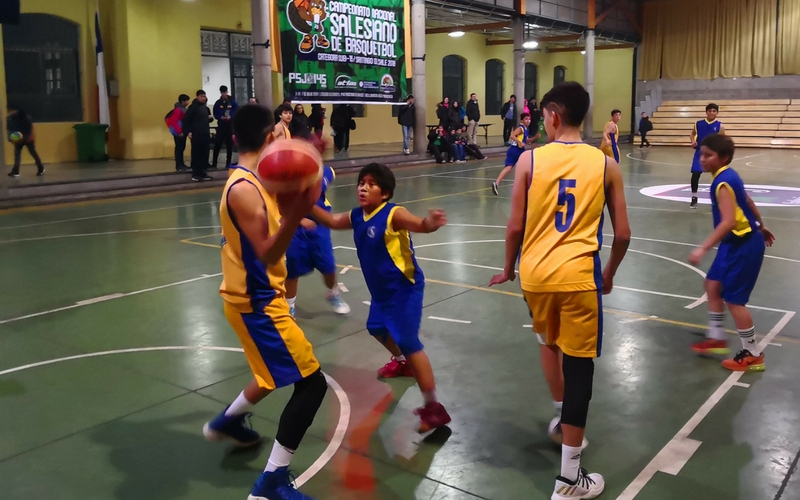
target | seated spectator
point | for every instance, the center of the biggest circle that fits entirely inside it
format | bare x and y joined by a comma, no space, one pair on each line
439,145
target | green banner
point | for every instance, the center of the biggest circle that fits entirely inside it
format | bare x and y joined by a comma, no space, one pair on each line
350,51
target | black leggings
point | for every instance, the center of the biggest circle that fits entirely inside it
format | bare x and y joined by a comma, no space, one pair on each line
301,410
695,182
578,380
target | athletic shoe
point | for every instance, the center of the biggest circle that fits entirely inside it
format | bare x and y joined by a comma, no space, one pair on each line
339,305
406,152
711,346
235,428
693,204
13,175
207,178
585,487
276,485
394,369
41,172
432,416
555,433
495,189
745,362
195,179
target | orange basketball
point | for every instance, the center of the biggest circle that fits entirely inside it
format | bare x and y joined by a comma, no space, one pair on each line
289,166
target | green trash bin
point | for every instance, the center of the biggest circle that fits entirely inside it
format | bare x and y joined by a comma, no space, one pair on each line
91,142
543,137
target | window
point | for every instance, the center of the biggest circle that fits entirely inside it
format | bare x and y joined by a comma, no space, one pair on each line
42,71
495,70
531,80
453,78
238,73
559,75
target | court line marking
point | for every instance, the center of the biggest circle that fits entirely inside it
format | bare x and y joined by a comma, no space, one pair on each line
126,231
689,163
741,384
451,320
485,167
319,463
677,452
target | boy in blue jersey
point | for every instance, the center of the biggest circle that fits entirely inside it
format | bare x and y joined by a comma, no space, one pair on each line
381,231
311,248
701,130
742,238
520,139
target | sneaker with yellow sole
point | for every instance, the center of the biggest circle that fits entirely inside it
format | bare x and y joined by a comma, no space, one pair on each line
744,361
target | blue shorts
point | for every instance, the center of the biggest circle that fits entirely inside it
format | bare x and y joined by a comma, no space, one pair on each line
310,250
400,319
737,266
512,155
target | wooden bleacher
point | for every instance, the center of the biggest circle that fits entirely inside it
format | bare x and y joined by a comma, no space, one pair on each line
757,123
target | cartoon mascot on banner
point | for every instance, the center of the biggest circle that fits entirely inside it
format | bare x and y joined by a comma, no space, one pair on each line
306,18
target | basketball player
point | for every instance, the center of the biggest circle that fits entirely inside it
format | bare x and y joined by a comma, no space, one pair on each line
701,130
610,145
282,127
520,140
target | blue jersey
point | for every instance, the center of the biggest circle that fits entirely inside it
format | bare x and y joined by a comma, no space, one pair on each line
746,221
702,129
386,256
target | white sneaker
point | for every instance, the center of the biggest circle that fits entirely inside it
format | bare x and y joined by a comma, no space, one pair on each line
339,306
554,431
587,486
495,189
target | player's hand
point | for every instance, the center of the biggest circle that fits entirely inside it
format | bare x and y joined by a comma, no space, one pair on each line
694,144
769,238
608,281
296,206
436,219
190,135
503,277
308,224
697,255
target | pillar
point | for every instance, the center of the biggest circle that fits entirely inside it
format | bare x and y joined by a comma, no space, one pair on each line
419,85
588,123
262,59
518,29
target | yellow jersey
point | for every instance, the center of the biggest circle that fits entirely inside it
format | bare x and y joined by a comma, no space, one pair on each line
247,283
564,219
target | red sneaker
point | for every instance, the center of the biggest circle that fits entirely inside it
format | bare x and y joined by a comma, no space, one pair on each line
395,368
711,346
432,416
744,361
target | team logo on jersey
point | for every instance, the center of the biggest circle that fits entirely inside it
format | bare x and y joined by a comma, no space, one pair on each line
764,196
371,231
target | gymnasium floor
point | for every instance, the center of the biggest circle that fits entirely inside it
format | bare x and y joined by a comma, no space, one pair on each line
114,351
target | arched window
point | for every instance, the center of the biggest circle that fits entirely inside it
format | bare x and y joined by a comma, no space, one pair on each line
495,72
531,80
559,75
42,69
453,78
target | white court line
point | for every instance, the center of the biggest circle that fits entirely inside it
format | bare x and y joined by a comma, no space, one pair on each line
319,463
343,288
685,164
128,231
680,448
107,298
636,320
366,302
334,186
741,384
346,268
450,320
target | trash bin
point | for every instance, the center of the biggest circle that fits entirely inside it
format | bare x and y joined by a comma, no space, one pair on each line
91,142
543,138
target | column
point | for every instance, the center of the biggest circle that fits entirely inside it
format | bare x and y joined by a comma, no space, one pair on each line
518,29
262,60
588,124
419,85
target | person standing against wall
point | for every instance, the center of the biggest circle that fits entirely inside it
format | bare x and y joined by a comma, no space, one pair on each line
473,118
406,119
18,122
174,121
342,123
316,120
196,122
224,109
509,116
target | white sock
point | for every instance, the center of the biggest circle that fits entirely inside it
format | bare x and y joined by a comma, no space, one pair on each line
280,457
333,292
291,301
570,462
749,340
715,329
400,358
429,396
558,406
238,407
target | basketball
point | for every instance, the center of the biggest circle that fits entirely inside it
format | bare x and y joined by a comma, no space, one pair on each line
15,137
289,166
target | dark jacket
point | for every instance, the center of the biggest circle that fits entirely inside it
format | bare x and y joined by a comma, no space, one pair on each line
225,108
407,115
197,119
19,121
473,111
454,117
442,113
342,116
503,111
444,141
316,119
299,127
645,125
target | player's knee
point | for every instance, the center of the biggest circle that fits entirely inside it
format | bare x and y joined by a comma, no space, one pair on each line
578,379
712,288
314,386
409,346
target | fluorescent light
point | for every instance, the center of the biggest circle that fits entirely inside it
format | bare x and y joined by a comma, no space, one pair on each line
456,34
536,26
530,44
583,52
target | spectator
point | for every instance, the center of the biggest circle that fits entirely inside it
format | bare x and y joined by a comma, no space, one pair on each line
342,123
438,145
19,121
455,116
299,126
174,120
457,146
472,150
224,109
645,126
533,110
509,116
406,118
474,118
253,100
317,119
442,111
197,122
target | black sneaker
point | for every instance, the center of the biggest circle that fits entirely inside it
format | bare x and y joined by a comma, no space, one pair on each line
13,174
693,204
206,178
41,172
196,179
495,189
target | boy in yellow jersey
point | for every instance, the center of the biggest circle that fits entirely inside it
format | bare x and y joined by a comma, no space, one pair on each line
256,233
610,144
556,222
282,127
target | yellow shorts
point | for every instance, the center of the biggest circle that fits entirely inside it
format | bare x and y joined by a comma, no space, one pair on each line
571,320
607,149
275,347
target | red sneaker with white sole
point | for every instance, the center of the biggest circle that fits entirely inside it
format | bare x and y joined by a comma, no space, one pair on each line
395,368
432,416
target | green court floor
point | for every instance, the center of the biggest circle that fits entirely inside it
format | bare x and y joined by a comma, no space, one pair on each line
114,351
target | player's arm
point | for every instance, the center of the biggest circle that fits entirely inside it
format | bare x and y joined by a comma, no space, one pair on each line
338,221
693,136
606,136
280,131
769,238
727,208
618,211
405,220
516,222
247,207
721,129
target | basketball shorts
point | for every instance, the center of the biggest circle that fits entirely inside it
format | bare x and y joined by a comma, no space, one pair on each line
399,319
310,250
571,320
275,347
607,150
737,265
512,155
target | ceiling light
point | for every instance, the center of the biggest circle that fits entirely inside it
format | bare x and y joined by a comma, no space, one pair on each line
456,34
583,52
530,44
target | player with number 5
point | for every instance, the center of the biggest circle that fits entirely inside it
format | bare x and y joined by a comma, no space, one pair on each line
556,228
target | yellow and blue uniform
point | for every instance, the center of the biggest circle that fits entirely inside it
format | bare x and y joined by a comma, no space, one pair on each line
559,269
702,129
255,302
393,277
741,251
313,248
514,151
611,148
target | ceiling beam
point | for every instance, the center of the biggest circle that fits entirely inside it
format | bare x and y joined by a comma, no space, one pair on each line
604,15
631,18
599,47
471,27
562,38
499,42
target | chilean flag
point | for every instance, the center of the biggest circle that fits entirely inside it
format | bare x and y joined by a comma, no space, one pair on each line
102,89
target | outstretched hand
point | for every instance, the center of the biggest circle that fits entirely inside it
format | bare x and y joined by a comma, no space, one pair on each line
436,219
503,277
769,237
